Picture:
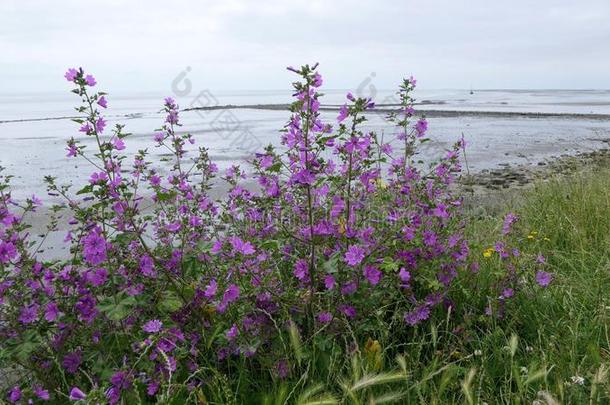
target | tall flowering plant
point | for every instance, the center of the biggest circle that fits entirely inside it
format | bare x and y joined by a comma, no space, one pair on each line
342,234
113,317
345,235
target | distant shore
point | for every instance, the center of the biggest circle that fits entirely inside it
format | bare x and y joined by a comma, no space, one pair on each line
379,109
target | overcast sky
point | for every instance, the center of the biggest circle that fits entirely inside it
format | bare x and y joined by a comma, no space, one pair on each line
239,44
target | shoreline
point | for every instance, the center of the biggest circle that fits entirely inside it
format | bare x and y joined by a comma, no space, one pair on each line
488,190
518,176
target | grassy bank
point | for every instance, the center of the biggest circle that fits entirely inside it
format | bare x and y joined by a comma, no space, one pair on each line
552,346
562,333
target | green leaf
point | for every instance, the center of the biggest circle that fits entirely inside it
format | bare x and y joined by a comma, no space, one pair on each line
205,246
389,265
170,302
85,190
116,309
323,139
330,266
24,347
170,195
275,168
271,245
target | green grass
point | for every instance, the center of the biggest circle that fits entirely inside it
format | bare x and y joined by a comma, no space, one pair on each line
547,337
564,330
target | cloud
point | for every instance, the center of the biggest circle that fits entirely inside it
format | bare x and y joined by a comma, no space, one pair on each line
237,44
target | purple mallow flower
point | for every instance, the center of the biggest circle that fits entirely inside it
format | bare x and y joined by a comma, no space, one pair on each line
266,161
29,314
152,388
329,282
8,251
211,289
372,274
405,275
72,150
325,317
98,178
72,361
90,80
421,313
172,117
51,312
348,311
509,220
153,326
343,113
232,332
102,102
100,124
239,246
543,278
147,266
76,394
86,128
97,277
15,394
71,74
118,144
301,269
354,255
121,381
158,137
170,102
230,295
349,288
41,393
421,127
94,245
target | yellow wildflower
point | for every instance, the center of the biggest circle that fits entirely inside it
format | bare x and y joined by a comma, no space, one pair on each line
488,252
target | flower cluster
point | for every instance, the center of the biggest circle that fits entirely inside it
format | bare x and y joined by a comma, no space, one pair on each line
335,233
520,271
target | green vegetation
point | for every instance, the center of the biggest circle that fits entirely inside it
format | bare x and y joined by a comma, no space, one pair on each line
352,279
552,347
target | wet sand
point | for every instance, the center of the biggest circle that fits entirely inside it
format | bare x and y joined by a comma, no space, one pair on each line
490,189
32,149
